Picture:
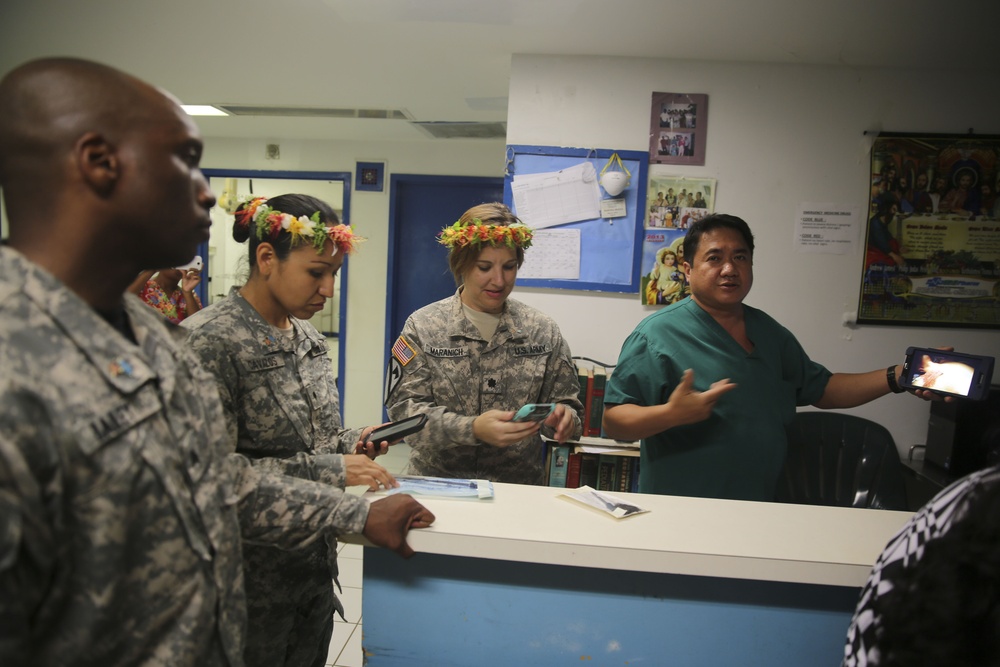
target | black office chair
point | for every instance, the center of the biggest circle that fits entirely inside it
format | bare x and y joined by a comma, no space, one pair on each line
841,460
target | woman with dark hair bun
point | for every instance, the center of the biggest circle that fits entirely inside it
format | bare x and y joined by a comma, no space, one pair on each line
283,411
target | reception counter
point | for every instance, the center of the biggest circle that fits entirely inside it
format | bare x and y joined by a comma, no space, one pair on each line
534,578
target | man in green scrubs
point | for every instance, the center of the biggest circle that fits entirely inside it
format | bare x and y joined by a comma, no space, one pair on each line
708,383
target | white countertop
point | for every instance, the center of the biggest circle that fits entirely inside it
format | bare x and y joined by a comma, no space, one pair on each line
691,536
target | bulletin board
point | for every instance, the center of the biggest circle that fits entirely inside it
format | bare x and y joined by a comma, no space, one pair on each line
610,248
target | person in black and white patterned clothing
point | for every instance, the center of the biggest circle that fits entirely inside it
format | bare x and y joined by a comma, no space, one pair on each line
933,597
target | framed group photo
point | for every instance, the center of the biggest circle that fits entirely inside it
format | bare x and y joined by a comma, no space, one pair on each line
678,128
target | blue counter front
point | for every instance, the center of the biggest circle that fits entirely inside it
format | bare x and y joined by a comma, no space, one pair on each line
532,578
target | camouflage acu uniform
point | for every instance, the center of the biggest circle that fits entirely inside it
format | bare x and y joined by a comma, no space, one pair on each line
121,506
442,366
283,411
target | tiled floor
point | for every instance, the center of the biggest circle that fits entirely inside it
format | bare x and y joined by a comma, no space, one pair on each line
345,647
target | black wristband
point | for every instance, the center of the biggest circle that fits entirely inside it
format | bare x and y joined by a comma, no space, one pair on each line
890,377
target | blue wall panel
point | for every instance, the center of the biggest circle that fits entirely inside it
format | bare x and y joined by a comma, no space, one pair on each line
442,610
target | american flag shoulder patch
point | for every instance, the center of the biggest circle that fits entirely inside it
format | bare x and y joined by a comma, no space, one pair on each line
403,351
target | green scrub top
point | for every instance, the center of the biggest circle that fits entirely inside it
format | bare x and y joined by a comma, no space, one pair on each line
738,452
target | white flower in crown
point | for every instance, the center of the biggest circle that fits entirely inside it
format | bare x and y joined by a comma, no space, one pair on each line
301,226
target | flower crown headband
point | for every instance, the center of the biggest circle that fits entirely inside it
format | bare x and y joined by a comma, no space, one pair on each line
476,233
269,223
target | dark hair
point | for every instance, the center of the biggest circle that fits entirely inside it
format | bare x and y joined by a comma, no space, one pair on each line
709,224
945,608
884,203
292,204
495,213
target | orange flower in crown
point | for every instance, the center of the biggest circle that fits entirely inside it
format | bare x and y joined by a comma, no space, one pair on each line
269,223
476,233
245,214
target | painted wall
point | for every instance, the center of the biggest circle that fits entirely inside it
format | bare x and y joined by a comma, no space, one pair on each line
778,136
366,283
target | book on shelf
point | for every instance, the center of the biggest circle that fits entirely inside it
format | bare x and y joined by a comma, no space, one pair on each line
597,380
608,471
588,469
559,464
573,470
630,466
585,376
583,458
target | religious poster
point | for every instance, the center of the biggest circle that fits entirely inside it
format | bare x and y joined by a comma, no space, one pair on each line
673,203
663,281
932,243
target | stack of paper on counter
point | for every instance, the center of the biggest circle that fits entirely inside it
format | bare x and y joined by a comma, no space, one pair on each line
605,502
442,487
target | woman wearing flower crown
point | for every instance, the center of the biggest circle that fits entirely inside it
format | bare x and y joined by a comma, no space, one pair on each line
471,360
280,398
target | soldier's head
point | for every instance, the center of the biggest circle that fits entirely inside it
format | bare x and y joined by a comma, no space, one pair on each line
94,159
486,248
297,246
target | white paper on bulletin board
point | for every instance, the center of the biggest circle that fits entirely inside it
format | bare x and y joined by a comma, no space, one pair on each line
557,197
554,253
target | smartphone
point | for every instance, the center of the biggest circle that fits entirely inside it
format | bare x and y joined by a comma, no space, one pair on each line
947,373
399,429
534,412
197,264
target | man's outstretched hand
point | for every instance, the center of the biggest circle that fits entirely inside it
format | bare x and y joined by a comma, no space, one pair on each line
389,519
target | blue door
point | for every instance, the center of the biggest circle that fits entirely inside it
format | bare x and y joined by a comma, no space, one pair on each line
419,206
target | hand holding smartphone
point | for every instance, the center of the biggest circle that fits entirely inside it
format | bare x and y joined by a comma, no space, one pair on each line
947,373
398,429
534,412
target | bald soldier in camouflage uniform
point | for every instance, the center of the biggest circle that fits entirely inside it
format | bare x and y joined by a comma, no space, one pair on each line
121,507
115,476
443,365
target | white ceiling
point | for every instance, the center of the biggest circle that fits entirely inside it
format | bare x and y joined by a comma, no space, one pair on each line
449,60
